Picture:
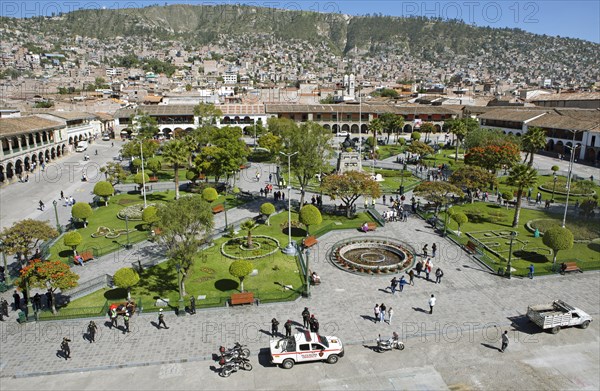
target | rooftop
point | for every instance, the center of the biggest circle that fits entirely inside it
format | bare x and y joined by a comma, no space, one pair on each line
21,125
567,96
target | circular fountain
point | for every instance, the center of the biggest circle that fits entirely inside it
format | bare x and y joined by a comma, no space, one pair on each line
372,256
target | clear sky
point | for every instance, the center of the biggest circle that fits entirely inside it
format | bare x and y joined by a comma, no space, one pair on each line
576,19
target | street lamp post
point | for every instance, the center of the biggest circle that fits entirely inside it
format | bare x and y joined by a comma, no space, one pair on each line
402,179
290,249
143,176
554,187
54,203
513,235
573,148
307,277
180,303
128,244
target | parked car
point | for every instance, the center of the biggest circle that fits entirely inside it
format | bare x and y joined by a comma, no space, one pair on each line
558,314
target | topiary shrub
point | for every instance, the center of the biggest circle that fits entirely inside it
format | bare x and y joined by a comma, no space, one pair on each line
72,239
310,215
267,209
209,194
104,189
82,211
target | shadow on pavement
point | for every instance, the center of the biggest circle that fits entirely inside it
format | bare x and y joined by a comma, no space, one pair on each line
418,309
264,357
490,346
522,324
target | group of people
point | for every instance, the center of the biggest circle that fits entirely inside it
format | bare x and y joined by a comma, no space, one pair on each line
309,322
267,189
316,200
380,311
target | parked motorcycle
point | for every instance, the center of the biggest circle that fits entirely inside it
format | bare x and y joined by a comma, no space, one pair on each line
236,350
389,344
233,364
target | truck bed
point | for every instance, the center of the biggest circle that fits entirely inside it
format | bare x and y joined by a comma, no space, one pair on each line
549,315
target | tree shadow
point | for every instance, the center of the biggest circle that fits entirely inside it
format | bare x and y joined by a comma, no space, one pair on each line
296,231
158,280
116,294
226,284
156,197
594,246
65,253
531,256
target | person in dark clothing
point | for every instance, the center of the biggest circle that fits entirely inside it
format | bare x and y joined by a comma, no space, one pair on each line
274,327
37,302
91,329
306,317
192,305
288,329
126,322
504,341
4,307
64,347
49,299
314,325
17,299
161,319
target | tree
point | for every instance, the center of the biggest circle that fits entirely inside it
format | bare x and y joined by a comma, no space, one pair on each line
587,207
437,192
271,142
150,215
72,239
310,215
523,177
415,136
209,194
267,209
392,123
185,225
140,180
24,236
507,196
224,155
249,226
558,238
240,269
349,186
207,114
483,137
376,127
472,178
427,128
531,142
420,148
114,173
176,152
311,142
459,129
493,157
82,211
132,148
48,275
154,164
105,190
126,278
460,219
555,169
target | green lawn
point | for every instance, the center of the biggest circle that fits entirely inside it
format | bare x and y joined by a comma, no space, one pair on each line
210,274
491,224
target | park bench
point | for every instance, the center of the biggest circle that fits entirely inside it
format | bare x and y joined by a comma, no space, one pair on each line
309,241
569,267
242,298
218,209
471,248
153,179
85,256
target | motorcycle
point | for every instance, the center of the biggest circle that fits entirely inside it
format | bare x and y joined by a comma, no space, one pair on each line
233,364
389,344
236,350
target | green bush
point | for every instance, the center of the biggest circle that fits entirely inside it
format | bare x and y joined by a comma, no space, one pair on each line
104,189
210,194
310,215
72,239
82,211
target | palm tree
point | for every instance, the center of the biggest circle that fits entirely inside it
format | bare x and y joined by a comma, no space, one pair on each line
523,177
176,153
531,142
249,226
459,128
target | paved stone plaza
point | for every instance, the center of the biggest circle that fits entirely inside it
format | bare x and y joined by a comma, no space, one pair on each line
455,347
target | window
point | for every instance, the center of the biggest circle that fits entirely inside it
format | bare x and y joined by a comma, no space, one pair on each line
316,346
304,347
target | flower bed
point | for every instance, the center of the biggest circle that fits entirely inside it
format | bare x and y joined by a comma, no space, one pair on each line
233,248
133,212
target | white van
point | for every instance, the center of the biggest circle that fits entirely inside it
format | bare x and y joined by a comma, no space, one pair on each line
81,146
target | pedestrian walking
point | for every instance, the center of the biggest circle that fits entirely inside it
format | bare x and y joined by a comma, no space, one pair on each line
390,315
42,206
504,341
192,305
431,303
433,250
49,299
37,302
411,276
402,282
531,270
438,275
425,251
419,268
62,195
91,330
17,299
113,318
274,327
393,285
161,319
427,268
288,328
306,318
64,347
383,199
126,322
382,309
314,324
4,307
376,312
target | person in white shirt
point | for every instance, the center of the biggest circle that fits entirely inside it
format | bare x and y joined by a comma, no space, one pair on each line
431,303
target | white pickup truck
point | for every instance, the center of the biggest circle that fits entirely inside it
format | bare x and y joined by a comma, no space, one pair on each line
305,346
557,314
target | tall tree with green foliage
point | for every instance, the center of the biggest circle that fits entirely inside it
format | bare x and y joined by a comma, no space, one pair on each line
185,225
420,148
311,142
176,152
207,113
460,219
126,278
494,157
522,177
310,215
249,226
472,178
427,128
558,238
104,190
241,269
114,173
132,149
25,236
532,142
392,124
154,165
72,239
438,193
48,275
271,142
349,186
459,129
145,126
150,215
267,209
224,155
376,127
82,211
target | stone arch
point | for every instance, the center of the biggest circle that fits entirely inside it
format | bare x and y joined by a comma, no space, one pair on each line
52,153
559,147
335,128
168,133
23,140
44,137
189,129
518,134
354,128
57,151
5,145
326,126
40,157
438,128
345,128
248,130
71,140
226,120
550,145
33,158
18,167
89,135
47,155
63,149
10,170
407,128
236,119
247,120
364,128
31,139
26,163
590,155
2,173
38,138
